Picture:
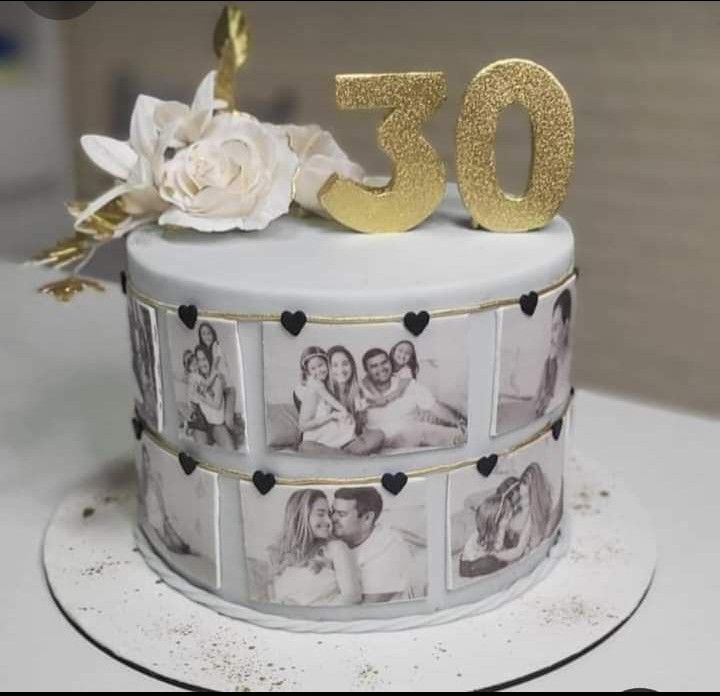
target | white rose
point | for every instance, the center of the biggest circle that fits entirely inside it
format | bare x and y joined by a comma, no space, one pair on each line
319,158
237,175
154,126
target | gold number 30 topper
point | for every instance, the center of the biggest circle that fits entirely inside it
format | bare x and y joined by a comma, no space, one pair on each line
417,184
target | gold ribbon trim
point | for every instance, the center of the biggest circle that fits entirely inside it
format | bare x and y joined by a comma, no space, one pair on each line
368,319
359,480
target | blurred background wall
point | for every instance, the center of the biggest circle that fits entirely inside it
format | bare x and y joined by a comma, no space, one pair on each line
644,79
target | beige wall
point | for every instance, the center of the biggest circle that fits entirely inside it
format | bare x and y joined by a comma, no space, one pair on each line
645,82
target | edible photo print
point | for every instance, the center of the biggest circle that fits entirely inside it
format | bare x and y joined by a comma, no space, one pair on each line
533,359
498,519
145,362
208,382
366,389
335,546
179,513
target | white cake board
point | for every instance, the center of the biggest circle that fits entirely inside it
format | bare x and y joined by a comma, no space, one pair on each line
104,587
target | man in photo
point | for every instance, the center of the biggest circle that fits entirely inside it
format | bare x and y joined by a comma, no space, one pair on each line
383,557
400,409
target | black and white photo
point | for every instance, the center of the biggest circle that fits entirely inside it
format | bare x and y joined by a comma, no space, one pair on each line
533,365
498,520
368,389
207,381
179,513
331,546
145,362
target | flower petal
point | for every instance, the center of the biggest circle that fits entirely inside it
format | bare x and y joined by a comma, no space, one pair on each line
99,202
204,99
143,131
113,156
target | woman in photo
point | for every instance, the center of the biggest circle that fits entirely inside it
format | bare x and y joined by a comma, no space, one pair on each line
310,566
207,339
196,426
510,523
209,390
152,507
143,360
559,352
536,495
345,387
325,423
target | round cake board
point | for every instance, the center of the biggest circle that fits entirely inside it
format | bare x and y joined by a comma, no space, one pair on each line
106,590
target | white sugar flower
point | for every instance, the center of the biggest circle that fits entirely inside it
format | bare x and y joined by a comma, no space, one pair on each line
238,174
319,157
154,124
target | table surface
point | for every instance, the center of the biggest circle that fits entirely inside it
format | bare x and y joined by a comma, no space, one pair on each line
64,415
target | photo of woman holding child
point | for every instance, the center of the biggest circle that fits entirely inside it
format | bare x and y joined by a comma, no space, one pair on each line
499,520
206,371
358,398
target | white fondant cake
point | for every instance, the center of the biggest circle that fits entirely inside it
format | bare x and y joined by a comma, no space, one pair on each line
312,453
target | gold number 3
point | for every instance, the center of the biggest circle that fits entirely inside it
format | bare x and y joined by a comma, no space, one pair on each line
418,182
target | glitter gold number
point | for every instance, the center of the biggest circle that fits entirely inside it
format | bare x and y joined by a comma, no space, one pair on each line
553,137
417,184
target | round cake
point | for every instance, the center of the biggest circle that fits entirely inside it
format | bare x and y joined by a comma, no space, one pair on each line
351,431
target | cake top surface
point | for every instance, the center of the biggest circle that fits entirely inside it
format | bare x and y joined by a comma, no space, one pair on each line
325,268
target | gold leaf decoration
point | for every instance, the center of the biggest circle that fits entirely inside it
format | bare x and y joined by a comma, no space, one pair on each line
65,289
101,225
65,252
230,41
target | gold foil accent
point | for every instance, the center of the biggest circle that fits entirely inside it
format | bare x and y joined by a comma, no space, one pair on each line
366,319
418,181
65,252
101,225
64,290
161,442
230,41
553,141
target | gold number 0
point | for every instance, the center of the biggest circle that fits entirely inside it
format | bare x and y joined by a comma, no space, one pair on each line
418,182
553,136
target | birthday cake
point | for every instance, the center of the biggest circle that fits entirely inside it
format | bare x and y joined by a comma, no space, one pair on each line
337,428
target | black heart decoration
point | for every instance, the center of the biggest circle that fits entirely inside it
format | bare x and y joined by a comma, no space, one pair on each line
187,462
123,282
293,322
528,303
263,481
416,323
188,314
138,427
394,483
485,465
557,428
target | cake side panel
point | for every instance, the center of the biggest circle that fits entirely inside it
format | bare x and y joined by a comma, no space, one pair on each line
484,345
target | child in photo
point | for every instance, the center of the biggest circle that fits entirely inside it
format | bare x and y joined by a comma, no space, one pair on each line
404,366
323,420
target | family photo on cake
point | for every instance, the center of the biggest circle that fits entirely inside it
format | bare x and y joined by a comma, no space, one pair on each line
178,514
327,546
207,379
499,520
145,353
363,390
534,356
